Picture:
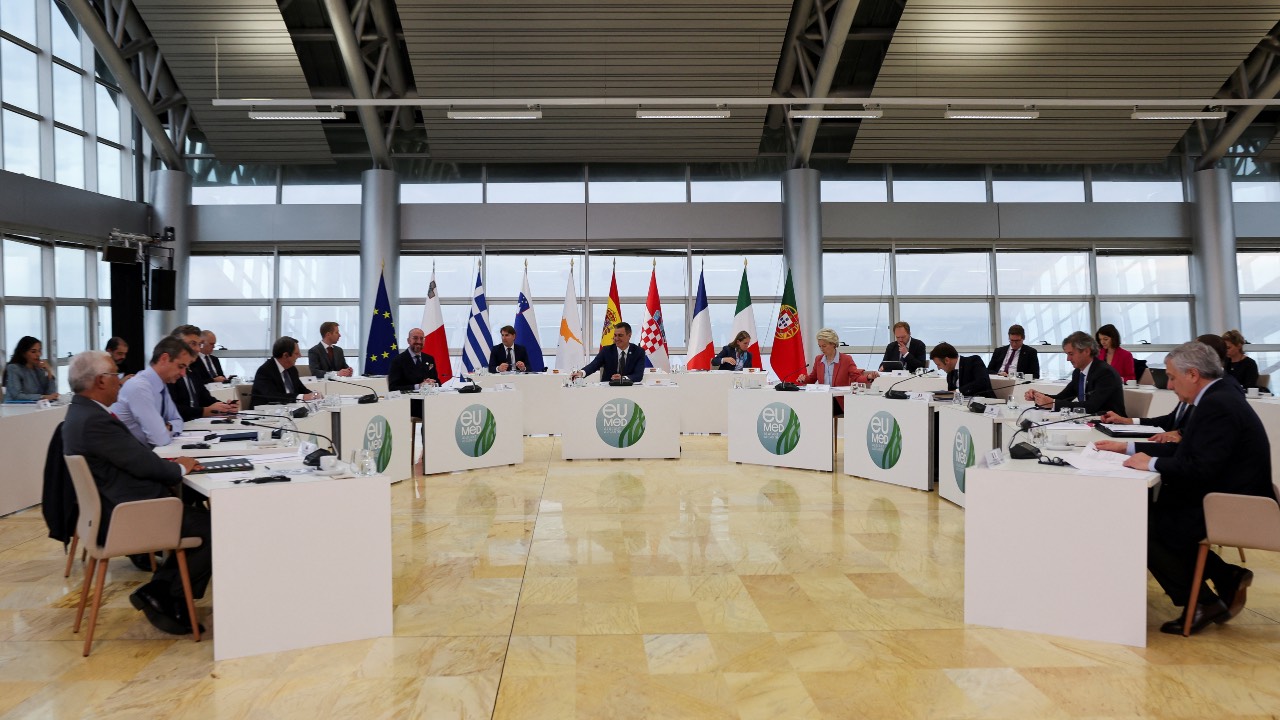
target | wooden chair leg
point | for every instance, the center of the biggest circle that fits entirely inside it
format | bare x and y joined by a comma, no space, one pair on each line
152,557
186,591
71,555
84,592
1241,551
1190,612
97,603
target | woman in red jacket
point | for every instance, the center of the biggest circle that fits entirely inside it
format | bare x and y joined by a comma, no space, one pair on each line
843,371
1110,352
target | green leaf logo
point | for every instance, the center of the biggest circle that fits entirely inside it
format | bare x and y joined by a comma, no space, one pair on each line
377,438
778,428
962,455
620,422
475,430
884,440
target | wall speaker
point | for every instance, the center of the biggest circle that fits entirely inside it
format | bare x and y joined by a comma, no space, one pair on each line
161,291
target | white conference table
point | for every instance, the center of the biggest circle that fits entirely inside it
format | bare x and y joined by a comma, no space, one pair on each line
601,421
963,439
25,432
298,564
781,429
540,393
469,431
1058,551
1268,409
889,440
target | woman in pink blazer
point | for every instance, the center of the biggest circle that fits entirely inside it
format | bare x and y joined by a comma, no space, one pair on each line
844,371
1110,352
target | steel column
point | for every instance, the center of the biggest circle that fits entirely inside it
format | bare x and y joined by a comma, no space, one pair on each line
802,248
379,249
1213,253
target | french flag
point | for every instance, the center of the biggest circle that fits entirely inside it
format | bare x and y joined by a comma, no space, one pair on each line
701,347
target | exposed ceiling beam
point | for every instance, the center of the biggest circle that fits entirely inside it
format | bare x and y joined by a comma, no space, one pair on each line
743,101
837,36
785,77
133,91
1236,127
349,48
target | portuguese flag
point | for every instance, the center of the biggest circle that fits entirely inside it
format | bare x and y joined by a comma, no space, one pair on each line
787,354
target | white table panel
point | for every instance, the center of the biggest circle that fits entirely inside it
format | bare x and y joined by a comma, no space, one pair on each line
963,438
593,413
463,432
704,398
25,432
540,393
889,440
781,429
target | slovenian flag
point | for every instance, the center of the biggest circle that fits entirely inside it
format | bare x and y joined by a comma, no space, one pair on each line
527,327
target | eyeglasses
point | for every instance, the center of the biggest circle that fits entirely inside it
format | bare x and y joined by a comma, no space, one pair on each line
1046,460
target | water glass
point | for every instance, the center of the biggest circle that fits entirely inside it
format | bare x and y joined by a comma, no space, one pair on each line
362,462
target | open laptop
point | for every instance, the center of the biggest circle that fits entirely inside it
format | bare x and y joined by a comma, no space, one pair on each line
890,365
1159,377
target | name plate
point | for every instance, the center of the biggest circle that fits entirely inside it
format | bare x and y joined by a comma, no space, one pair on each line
393,395
817,388
505,386
306,448
925,396
43,404
995,457
992,411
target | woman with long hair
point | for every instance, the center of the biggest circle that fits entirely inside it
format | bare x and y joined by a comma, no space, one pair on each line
1240,366
27,377
735,355
1110,352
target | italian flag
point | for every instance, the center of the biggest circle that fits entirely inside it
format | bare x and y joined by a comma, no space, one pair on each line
787,354
745,319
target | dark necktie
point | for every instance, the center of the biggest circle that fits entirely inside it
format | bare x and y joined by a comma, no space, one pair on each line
622,362
288,384
191,391
1008,360
1080,389
164,392
330,349
953,379
208,363
511,363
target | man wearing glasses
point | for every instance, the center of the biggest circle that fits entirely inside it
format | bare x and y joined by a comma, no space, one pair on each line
144,405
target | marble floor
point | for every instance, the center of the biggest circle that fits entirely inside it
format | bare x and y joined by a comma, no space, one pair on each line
657,589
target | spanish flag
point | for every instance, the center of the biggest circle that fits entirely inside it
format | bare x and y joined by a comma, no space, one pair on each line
612,312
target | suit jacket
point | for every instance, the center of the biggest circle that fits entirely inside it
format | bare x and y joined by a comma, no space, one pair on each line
1028,361
728,351
318,360
1103,391
268,386
1122,361
200,373
498,355
915,355
123,468
1176,420
188,409
405,373
846,373
1224,448
1245,372
58,501
607,360
970,378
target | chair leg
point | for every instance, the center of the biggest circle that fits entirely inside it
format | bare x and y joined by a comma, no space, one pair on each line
97,603
71,555
152,556
186,591
1190,612
1241,551
84,592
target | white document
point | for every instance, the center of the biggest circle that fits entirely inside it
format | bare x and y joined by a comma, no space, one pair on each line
1101,462
1134,428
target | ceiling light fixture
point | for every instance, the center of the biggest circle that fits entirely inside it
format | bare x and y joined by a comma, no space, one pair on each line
1028,114
494,114
334,114
1177,114
865,114
682,114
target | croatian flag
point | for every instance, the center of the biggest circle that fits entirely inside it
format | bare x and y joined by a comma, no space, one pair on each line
653,336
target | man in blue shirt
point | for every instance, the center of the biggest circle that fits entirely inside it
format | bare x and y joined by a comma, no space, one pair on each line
144,405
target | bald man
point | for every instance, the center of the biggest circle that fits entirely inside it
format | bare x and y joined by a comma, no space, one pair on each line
412,367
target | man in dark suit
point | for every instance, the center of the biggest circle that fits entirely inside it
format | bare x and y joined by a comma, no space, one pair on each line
277,381
325,356
412,367
1015,357
208,368
507,355
619,360
189,393
965,375
1224,449
119,350
1094,386
126,470
905,350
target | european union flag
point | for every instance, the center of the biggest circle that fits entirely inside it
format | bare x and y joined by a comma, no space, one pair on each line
381,347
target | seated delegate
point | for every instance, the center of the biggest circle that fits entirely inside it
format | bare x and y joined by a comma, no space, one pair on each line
905,350
1094,386
27,377
735,355
965,375
834,368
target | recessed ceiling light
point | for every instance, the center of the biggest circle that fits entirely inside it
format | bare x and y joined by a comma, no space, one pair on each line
991,114
1177,115
837,114
682,114
297,115
494,114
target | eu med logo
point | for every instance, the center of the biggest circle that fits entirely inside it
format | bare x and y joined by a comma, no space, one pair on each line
475,430
620,423
884,440
377,440
778,428
962,455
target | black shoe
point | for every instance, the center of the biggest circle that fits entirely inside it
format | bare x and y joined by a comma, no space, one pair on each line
142,561
180,615
1205,615
1233,593
157,613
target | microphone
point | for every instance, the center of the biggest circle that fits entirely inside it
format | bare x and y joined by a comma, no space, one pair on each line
1027,451
891,394
313,458
371,397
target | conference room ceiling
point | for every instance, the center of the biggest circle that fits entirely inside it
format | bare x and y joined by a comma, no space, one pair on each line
1055,48
706,48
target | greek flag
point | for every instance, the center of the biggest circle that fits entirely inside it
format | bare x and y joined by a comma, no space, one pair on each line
475,354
